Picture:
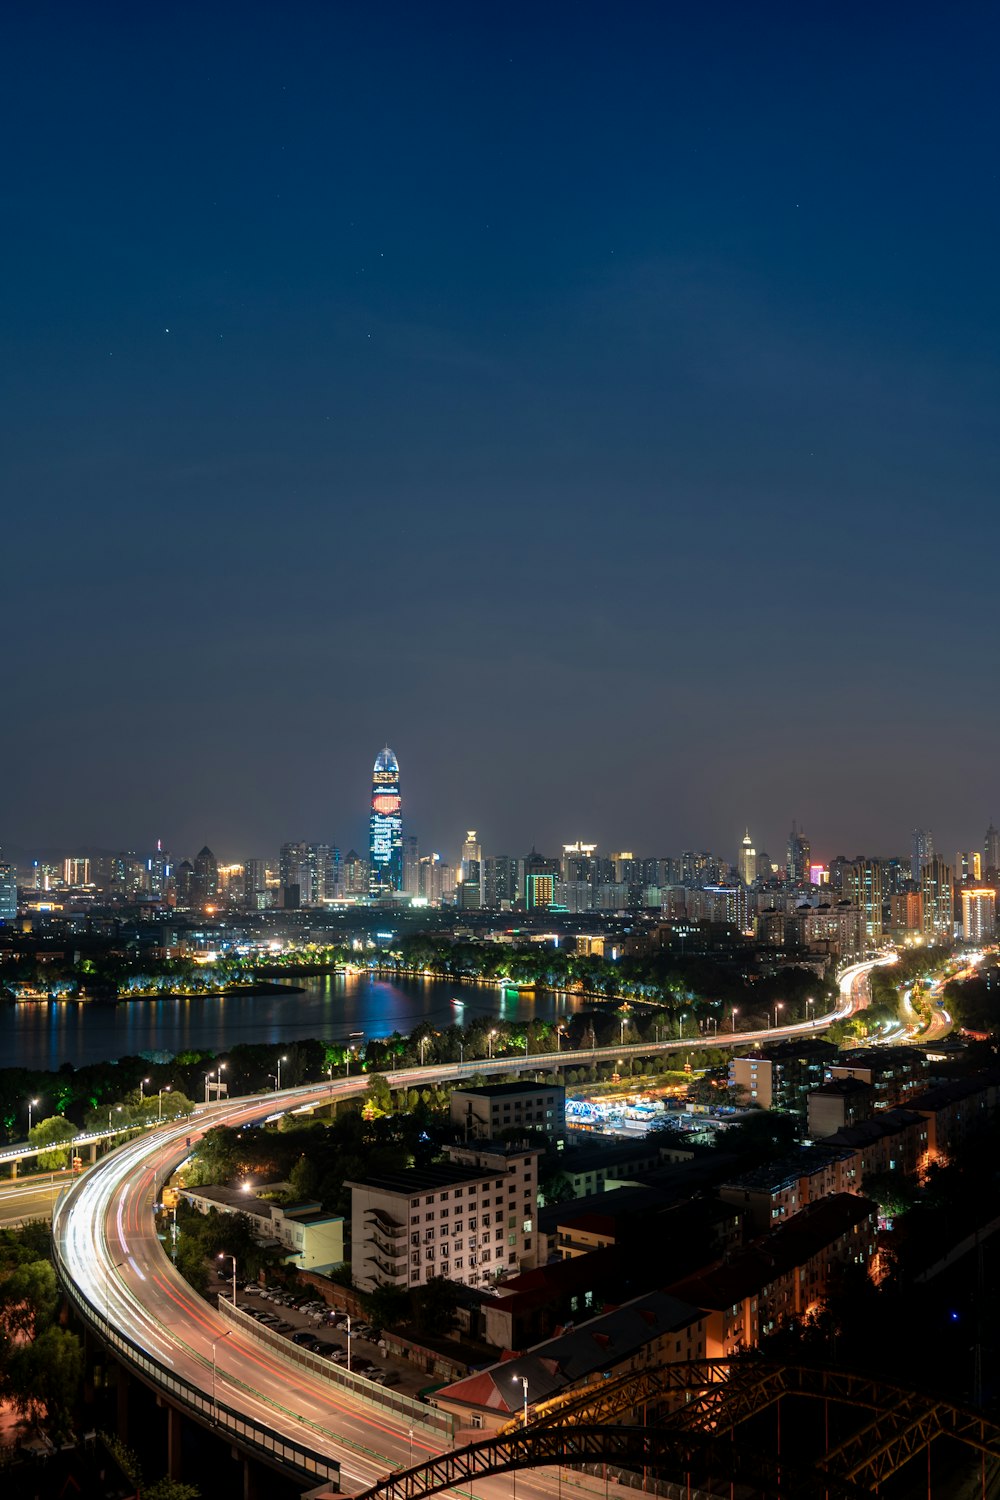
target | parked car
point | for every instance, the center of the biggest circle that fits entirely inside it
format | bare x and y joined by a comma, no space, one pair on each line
303,1336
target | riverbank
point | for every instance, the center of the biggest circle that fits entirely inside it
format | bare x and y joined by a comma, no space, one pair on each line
122,996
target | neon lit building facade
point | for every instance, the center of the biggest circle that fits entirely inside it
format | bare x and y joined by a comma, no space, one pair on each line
386,841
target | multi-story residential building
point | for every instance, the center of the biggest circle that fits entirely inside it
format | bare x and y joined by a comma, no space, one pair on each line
892,1073
778,1190
470,1220
895,1141
991,852
864,887
906,912
936,889
780,1077
979,914
836,1104
494,1111
840,928
787,1274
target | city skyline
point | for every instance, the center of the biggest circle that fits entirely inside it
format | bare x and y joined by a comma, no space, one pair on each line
561,328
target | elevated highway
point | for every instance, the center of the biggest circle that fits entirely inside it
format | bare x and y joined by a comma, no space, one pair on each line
123,1285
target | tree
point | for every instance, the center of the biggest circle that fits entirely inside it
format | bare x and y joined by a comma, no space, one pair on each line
435,1305
44,1375
378,1095
386,1306
51,1132
28,1298
304,1179
171,1489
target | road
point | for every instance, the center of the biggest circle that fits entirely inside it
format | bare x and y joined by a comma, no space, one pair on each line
30,1197
108,1247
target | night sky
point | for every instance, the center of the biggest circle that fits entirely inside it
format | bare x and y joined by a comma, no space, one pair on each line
598,403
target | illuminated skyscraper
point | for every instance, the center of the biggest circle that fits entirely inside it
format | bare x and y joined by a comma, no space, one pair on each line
799,856
747,860
936,889
8,894
386,840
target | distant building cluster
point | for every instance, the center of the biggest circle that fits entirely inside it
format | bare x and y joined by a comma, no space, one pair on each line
847,907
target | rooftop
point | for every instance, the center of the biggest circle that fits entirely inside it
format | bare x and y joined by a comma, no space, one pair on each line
789,1169
574,1355
507,1090
424,1179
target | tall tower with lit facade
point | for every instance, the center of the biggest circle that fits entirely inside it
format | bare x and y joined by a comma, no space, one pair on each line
386,839
747,860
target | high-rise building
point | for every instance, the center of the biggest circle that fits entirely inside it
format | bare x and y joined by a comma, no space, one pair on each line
293,875
968,866
254,882
923,850
76,871
991,851
502,882
540,876
437,879
907,911
470,878
411,866
864,889
205,884
8,894
747,860
979,915
799,856
578,861
356,878
184,883
936,889
385,875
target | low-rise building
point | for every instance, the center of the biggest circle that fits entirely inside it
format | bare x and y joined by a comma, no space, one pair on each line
313,1238
956,1109
490,1111
593,1167
651,1330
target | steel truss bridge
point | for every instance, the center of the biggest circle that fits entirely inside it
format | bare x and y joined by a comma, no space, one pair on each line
699,1407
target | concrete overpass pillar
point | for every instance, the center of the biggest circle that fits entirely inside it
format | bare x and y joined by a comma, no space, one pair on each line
92,1148
13,1169
254,1487
174,1433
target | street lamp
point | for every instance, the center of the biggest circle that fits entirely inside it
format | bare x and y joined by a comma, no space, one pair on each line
779,1005
524,1387
110,1113
489,1043
809,1003
280,1061
423,1044
31,1106
735,1014
680,1025
142,1088
348,1343
225,1255
216,1340
159,1100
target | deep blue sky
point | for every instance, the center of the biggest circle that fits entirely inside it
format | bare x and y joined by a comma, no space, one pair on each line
598,403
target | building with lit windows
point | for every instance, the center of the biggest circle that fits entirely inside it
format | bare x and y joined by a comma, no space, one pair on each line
864,889
799,856
923,850
936,889
747,860
470,1219
386,838
979,915
8,893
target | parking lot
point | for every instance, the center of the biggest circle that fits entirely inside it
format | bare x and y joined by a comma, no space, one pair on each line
307,1321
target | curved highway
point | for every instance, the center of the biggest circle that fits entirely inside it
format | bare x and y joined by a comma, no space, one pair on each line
119,1274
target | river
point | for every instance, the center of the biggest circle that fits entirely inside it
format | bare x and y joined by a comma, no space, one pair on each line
46,1035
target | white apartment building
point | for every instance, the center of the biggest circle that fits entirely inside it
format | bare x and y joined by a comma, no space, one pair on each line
486,1110
471,1220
